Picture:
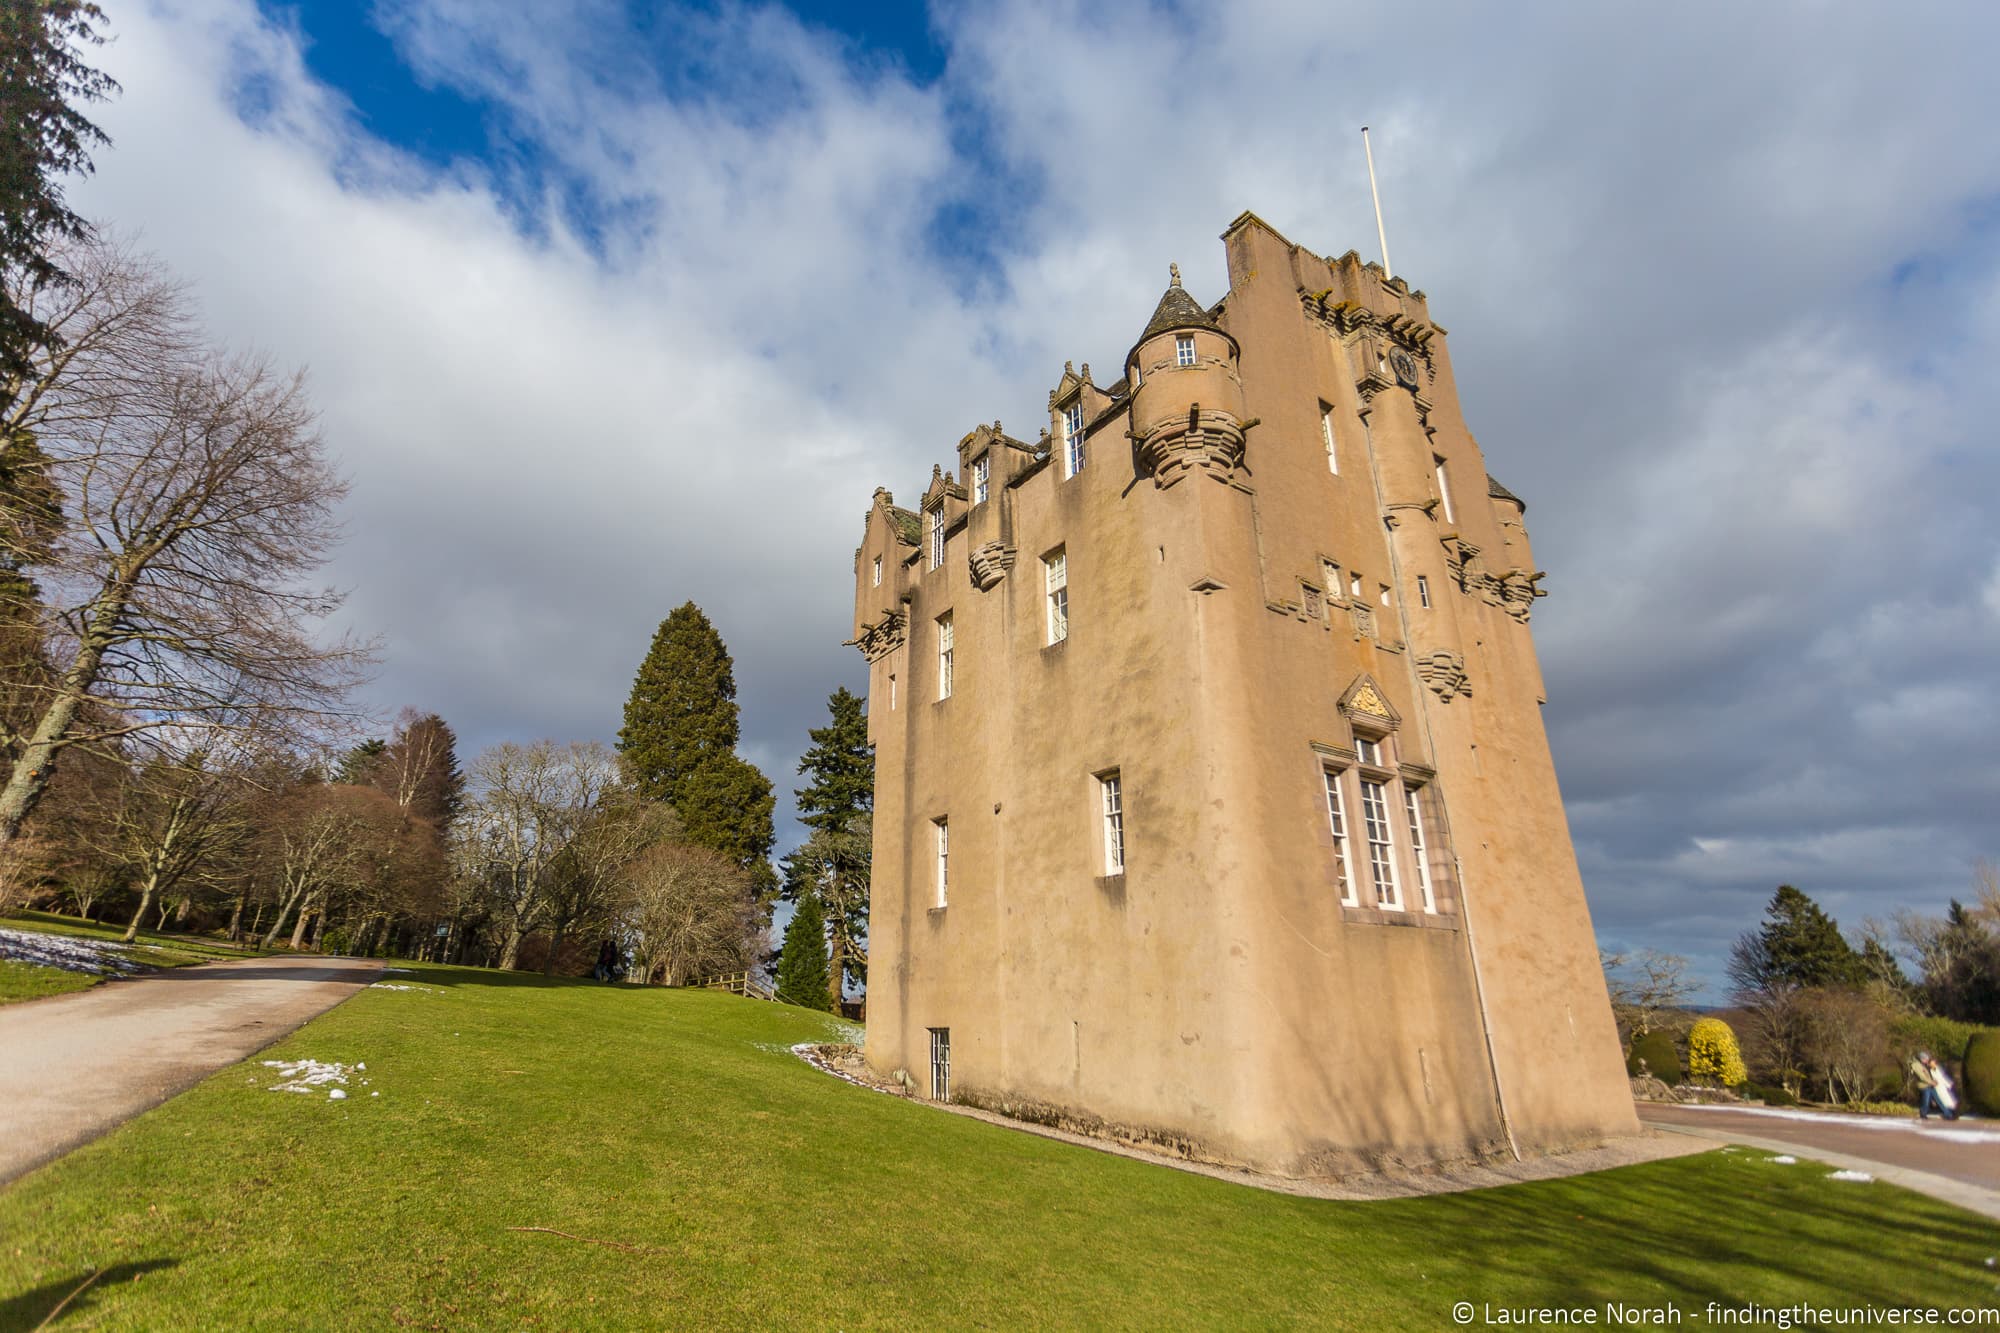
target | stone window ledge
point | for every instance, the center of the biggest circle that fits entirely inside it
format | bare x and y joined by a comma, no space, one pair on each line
1375,916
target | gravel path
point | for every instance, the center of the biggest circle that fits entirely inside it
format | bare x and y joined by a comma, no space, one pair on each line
75,1066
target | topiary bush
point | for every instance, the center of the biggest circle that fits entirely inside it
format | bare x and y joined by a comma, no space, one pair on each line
1981,1090
1657,1049
1714,1055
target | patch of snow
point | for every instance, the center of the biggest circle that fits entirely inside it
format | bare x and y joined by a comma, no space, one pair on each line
336,1095
1784,1160
306,1075
99,958
405,970
851,1034
362,1065
398,985
374,1094
1849,1175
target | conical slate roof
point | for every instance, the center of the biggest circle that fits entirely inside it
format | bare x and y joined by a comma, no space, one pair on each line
1499,492
1178,310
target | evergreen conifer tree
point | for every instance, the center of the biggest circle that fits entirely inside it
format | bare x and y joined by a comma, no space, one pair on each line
802,974
679,743
682,711
840,765
833,865
1802,945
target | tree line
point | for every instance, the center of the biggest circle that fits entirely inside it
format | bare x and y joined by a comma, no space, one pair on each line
170,704
1826,1018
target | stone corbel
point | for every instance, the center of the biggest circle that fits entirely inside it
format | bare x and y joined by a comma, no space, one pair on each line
1443,673
990,563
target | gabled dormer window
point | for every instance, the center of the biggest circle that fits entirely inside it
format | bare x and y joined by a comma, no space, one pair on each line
982,471
1184,350
936,517
1073,439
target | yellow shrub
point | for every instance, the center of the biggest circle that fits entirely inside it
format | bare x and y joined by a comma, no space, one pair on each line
1713,1054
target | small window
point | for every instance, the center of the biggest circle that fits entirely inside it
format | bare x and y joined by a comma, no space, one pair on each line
1424,591
944,655
941,831
1073,439
1111,797
940,1064
1444,488
1184,350
1417,848
937,536
1368,750
981,472
1326,435
1383,595
1336,817
1354,586
878,571
1055,580
892,692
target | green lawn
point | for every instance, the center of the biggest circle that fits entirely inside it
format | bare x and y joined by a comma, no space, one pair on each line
28,981
734,1187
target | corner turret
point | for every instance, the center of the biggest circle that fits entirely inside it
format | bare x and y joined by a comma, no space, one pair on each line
1187,397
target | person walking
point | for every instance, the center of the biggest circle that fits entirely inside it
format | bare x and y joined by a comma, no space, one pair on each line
1936,1094
607,962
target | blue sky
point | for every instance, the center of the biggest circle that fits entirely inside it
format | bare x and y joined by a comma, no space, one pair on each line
612,306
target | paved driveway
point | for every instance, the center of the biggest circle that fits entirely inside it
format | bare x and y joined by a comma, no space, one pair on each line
74,1066
1955,1160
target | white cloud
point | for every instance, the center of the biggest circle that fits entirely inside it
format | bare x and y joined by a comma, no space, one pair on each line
1721,310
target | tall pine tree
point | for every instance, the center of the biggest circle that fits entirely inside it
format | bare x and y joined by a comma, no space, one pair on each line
833,865
679,743
1802,945
683,706
840,765
802,974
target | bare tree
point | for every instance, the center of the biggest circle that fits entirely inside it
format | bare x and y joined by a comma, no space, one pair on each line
1647,982
197,503
1846,1041
687,912
176,824
529,804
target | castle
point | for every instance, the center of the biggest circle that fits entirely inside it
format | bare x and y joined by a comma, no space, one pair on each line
1213,804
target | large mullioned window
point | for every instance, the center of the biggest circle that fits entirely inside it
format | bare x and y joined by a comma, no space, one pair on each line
1374,870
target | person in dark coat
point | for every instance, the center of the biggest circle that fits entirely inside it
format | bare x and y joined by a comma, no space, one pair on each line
607,962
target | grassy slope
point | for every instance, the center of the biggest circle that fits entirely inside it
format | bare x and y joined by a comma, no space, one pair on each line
763,1194
28,981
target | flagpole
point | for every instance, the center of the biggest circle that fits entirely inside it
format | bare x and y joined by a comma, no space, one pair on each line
1381,232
